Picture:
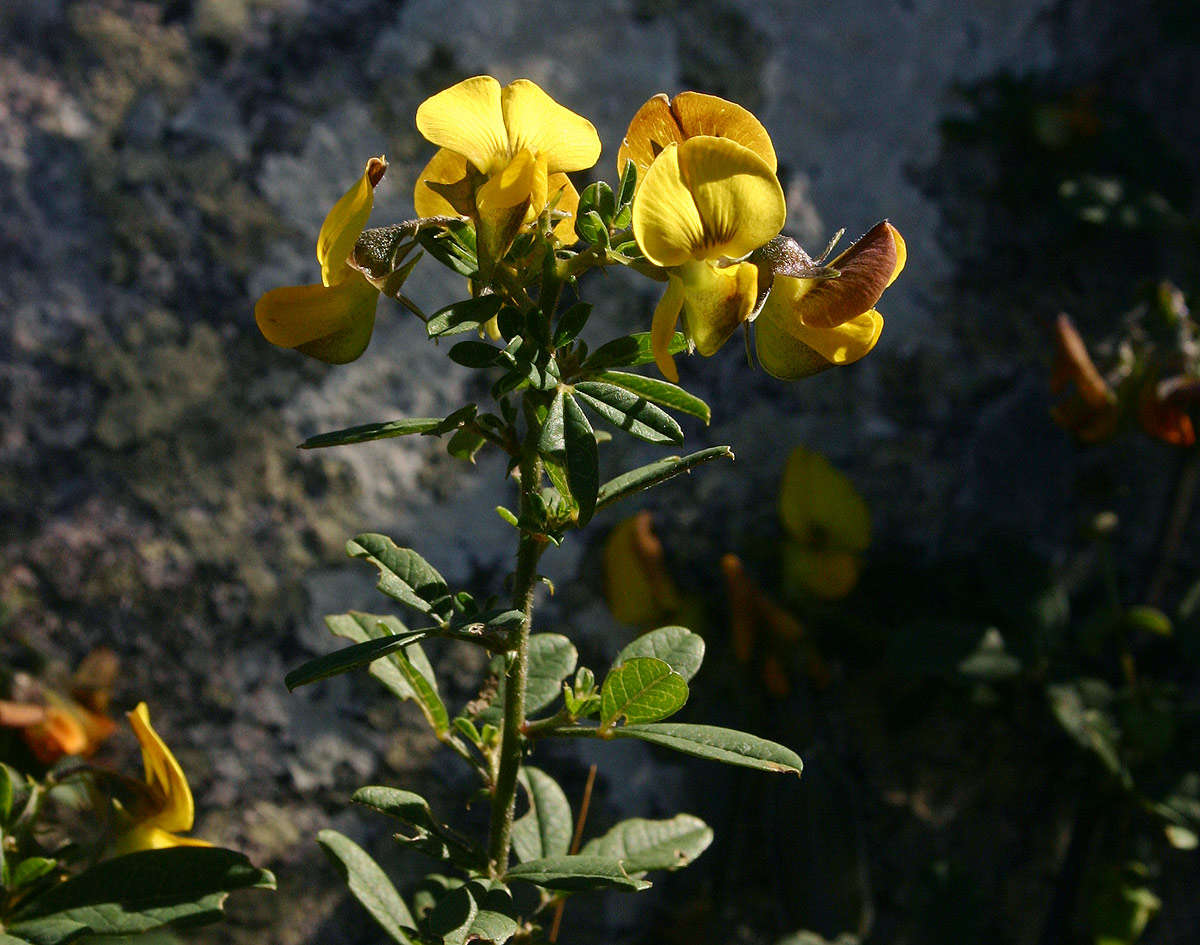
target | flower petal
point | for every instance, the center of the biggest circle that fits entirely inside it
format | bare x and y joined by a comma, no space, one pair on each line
307,315
538,123
716,302
345,222
146,837
780,354
662,328
652,128
867,268
562,196
511,186
453,196
901,252
666,223
736,194
163,775
467,119
846,343
700,114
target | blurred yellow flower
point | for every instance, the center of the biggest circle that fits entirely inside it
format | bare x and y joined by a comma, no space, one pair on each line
703,206
662,121
809,321
165,808
331,321
503,159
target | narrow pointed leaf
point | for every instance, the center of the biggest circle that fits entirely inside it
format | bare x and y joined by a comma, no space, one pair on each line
571,323
551,440
403,574
630,412
468,315
663,393
644,689
369,884
630,351
371,431
644,477
575,873
137,893
349,658
546,829
583,463
653,844
678,647
717,744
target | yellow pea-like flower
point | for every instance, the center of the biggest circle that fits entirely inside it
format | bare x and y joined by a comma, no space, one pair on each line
504,157
331,321
166,809
808,324
703,206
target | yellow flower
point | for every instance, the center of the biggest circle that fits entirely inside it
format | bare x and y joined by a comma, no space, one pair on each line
810,321
332,321
503,159
662,121
702,207
165,809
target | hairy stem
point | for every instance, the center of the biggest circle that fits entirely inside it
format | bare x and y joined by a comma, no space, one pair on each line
529,549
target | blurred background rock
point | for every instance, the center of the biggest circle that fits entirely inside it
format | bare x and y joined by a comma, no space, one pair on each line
163,163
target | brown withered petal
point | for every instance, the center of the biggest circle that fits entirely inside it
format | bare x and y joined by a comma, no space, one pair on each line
864,271
1073,365
1163,410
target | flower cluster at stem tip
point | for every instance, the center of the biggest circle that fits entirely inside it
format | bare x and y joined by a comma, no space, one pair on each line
707,216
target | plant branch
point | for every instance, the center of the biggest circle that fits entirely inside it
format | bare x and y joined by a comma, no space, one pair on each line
529,548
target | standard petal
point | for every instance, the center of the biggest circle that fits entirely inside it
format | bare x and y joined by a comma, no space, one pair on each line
467,119
716,301
296,316
345,222
538,123
652,128
666,223
163,775
700,114
562,196
662,328
512,185
453,195
867,268
736,195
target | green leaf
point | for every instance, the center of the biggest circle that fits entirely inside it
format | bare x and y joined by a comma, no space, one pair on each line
629,351
716,744
1148,620
1083,707
681,649
6,793
406,671
575,873
653,844
475,354
625,190
138,892
642,690
403,574
32,869
660,392
546,829
644,477
369,884
347,659
430,835
472,912
630,412
571,323
453,247
455,419
12,940
552,658
583,469
465,444
591,228
551,439
467,315
371,431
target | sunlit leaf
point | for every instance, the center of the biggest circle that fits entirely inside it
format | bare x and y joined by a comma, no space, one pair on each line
642,689
716,744
546,829
678,647
583,471
630,351
663,393
403,574
467,315
372,431
644,477
629,411
348,659
653,844
575,873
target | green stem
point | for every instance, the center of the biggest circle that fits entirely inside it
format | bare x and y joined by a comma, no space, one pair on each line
529,548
